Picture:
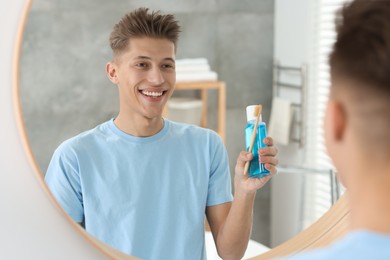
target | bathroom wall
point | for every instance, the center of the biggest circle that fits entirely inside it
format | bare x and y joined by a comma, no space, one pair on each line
64,89
292,31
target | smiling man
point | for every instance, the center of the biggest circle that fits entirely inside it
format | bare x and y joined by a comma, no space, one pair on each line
142,183
144,71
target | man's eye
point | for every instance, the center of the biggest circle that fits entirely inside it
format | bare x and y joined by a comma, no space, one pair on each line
141,65
168,66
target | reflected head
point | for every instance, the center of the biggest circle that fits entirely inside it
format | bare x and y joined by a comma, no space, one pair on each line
360,68
142,23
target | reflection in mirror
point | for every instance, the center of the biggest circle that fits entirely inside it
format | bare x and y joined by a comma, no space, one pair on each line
64,89
68,92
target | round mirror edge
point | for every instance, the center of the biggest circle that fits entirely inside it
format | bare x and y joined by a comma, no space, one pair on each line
329,227
105,249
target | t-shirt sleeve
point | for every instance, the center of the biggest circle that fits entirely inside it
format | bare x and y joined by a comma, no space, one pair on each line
220,186
63,179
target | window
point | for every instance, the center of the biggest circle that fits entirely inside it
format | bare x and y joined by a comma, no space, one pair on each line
317,187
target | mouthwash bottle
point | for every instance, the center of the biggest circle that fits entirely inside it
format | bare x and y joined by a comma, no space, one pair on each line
256,169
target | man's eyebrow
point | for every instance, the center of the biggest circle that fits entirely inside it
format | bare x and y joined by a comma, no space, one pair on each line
143,58
148,58
170,59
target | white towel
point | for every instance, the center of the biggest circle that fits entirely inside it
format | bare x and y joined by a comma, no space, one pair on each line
196,69
198,76
193,61
192,68
280,121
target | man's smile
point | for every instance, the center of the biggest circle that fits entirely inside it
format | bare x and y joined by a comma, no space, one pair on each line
153,95
149,93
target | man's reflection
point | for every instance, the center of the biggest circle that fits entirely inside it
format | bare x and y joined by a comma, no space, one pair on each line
142,183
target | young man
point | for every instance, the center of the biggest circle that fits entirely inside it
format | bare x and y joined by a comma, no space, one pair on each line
357,127
142,183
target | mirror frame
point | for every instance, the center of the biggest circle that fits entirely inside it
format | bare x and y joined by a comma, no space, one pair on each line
331,226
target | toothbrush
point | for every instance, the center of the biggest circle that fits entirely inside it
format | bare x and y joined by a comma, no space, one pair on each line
256,113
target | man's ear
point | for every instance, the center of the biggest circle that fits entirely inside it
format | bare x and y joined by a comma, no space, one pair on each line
111,71
339,120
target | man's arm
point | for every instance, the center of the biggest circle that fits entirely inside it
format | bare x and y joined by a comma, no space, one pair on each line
231,223
63,181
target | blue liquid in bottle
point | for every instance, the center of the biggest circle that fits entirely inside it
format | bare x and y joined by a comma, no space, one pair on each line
256,169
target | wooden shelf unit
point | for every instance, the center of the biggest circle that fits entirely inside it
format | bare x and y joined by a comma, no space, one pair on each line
204,87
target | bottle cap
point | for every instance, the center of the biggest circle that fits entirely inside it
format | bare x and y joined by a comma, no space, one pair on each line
250,113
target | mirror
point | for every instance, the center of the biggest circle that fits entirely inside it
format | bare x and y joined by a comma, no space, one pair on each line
64,89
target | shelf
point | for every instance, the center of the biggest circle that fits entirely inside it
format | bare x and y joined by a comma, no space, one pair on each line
204,87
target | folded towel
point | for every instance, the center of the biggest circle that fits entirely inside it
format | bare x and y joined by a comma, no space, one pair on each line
191,61
192,68
197,69
198,76
280,121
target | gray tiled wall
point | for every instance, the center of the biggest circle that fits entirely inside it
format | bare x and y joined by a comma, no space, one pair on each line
64,89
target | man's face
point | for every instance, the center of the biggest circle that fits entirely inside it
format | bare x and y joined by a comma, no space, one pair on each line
145,75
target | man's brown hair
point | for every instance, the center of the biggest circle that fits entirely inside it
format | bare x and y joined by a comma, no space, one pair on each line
360,68
362,48
142,23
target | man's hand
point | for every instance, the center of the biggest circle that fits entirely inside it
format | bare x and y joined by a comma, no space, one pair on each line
242,182
231,223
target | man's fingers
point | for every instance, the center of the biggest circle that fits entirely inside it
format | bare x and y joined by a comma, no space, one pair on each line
268,141
271,151
273,170
243,157
269,160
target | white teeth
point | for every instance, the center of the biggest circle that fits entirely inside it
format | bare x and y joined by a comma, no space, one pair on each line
152,94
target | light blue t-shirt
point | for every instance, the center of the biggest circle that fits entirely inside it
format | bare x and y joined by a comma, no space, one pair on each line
357,245
145,196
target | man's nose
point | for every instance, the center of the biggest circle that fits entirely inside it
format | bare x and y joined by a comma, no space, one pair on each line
155,76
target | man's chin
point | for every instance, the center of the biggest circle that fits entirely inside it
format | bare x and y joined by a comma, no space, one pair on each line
155,115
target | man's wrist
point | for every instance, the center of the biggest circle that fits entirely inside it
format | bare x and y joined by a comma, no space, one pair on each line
245,195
